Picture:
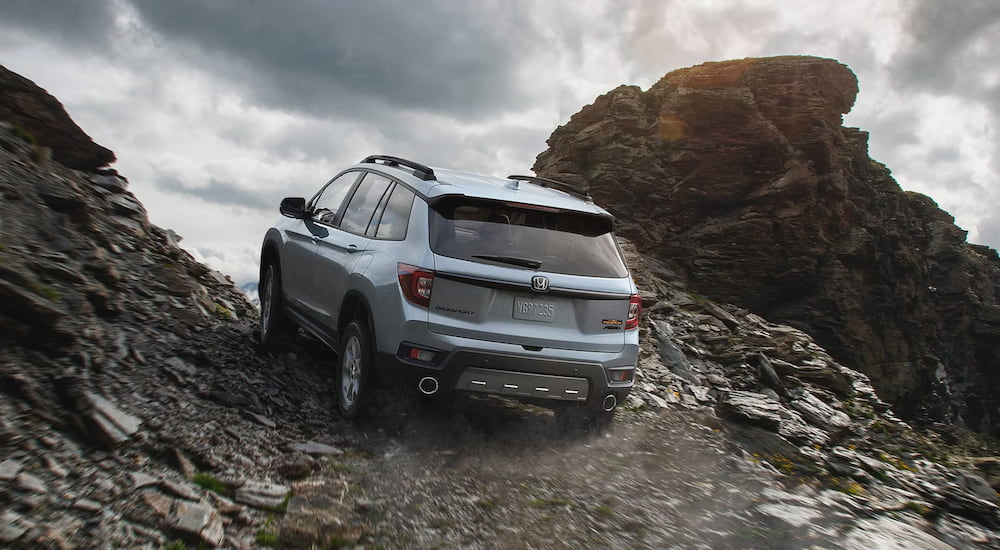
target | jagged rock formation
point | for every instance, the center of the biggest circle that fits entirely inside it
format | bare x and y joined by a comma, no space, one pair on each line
741,174
42,118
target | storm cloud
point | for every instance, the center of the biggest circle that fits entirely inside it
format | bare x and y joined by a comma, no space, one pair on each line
327,57
218,109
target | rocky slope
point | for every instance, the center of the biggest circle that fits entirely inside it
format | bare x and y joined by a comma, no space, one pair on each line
741,175
137,410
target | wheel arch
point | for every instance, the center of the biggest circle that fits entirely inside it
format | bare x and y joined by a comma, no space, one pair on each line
356,306
269,254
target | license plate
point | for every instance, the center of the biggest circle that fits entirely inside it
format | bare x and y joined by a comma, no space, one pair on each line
530,309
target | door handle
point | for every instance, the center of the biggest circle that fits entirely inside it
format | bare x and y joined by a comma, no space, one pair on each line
314,240
352,248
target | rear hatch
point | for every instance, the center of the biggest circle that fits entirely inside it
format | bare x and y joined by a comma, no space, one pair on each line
533,276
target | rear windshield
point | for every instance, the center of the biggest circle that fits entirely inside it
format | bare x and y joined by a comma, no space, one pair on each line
531,237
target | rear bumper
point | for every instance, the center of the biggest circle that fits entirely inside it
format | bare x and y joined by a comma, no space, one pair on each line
516,375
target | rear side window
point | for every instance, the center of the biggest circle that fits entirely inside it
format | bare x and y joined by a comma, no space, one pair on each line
517,235
392,224
359,211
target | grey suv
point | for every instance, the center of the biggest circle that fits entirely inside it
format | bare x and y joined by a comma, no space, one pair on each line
452,281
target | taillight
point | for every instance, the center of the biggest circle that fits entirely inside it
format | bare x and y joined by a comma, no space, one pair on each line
634,309
416,283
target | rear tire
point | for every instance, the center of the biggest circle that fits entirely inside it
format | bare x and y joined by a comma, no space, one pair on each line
275,327
354,367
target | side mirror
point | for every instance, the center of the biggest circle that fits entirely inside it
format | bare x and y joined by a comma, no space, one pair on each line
293,207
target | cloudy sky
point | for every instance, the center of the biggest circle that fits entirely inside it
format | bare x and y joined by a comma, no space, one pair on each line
217,109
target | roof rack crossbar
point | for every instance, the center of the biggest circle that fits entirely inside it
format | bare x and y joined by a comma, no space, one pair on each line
421,171
562,186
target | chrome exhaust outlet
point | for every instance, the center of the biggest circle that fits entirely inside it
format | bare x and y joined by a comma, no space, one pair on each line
428,385
609,402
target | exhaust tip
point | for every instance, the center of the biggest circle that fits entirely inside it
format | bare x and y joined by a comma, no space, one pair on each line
428,385
610,402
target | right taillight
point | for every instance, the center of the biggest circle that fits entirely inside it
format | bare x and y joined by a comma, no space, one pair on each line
634,309
416,283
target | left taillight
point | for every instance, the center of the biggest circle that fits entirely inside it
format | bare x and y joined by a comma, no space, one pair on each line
416,283
634,310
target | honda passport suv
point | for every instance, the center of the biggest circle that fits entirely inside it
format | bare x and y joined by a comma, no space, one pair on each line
449,281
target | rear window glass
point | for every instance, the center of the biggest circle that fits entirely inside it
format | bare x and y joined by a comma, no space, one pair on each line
516,235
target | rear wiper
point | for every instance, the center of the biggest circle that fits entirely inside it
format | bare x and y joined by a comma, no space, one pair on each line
523,262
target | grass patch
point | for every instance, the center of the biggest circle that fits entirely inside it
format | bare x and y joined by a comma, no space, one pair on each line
858,411
896,462
25,135
211,483
604,511
175,545
283,507
267,538
221,311
45,291
337,542
848,486
921,509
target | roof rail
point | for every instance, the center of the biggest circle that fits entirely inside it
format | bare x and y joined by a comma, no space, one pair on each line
419,170
545,182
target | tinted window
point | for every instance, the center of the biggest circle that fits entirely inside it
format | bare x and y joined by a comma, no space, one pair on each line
327,203
524,236
396,216
359,211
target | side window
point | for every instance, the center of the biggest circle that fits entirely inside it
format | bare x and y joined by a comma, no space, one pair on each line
327,203
359,211
396,216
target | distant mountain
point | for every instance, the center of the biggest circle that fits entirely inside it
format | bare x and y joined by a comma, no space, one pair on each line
250,289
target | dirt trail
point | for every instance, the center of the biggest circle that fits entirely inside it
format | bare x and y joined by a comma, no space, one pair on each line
485,474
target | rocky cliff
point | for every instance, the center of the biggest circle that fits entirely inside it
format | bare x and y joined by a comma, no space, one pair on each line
741,174
40,118
138,410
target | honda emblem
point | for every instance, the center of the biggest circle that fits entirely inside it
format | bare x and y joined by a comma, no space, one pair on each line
539,283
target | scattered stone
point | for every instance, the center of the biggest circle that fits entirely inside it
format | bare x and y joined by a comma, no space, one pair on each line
87,505
262,495
295,467
140,480
752,408
262,420
158,502
818,413
113,183
182,490
13,526
198,522
179,369
315,518
9,469
314,448
31,483
55,468
104,421
184,465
